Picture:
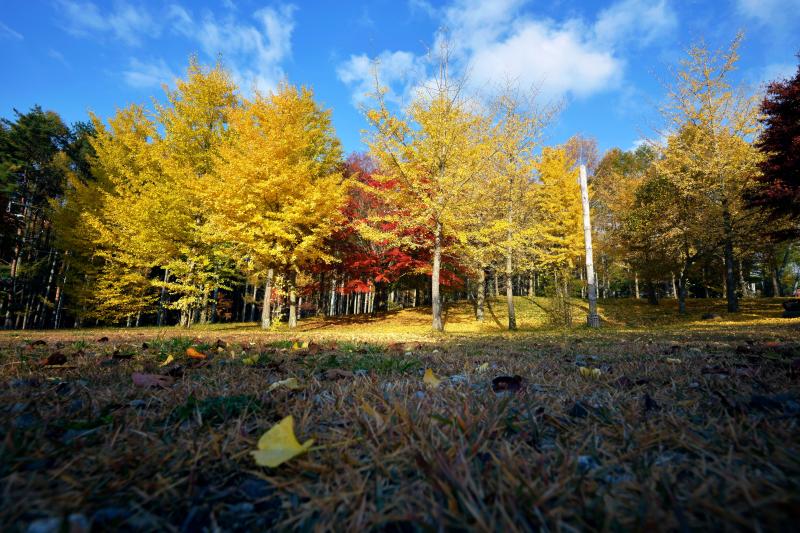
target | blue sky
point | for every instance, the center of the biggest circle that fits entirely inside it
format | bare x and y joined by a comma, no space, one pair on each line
602,60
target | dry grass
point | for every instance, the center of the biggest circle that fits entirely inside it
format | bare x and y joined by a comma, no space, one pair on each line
710,442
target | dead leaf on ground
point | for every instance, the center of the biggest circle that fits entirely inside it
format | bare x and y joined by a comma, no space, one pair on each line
151,380
289,383
430,379
193,353
338,373
55,358
102,339
507,383
587,372
279,444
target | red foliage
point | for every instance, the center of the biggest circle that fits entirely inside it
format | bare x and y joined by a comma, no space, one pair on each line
780,140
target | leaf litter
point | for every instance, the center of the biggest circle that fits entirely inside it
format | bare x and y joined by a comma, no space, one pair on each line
527,443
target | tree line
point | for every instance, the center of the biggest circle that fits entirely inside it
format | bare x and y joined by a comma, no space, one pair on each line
211,206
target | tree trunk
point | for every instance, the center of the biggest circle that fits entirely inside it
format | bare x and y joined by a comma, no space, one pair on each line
266,310
636,284
682,293
730,275
652,295
436,299
674,287
512,317
253,306
292,300
480,294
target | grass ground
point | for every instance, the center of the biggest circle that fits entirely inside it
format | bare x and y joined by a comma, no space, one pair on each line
690,424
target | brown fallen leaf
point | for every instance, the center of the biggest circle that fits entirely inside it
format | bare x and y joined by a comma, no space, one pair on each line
337,373
507,383
194,354
151,380
102,339
55,358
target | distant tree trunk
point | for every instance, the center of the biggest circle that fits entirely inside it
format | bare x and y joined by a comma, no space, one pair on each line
266,309
652,294
293,299
730,276
682,292
381,297
253,305
162,299
496,283
674,287
742,281
512,317
60,295
332,305
480,294
636,284
776,286
436,299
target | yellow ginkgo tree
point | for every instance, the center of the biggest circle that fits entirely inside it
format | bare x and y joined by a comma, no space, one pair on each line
277,191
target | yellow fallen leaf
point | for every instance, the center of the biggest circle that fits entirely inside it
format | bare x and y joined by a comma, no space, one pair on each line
673,361
483,368
304,345
249,361
430,379
168,360
296,345
589,372
279,444
290,383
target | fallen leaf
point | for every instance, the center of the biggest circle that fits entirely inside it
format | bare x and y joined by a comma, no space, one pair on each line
673,361
151,380
55,358
102,339
168,360
279,444
430,379
483,368
507,383
290,383
589,372
338,373
194,354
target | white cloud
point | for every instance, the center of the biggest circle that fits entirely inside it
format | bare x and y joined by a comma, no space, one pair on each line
124,21
640,20
497,41
144,75
554,58
253,52
399,70
8,33
770,12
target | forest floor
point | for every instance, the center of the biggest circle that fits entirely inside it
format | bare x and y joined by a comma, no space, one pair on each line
653,422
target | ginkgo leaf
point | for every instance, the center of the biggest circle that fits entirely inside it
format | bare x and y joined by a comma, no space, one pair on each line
430,379
194,354
483,368
589,372
170,358
279,444
290,383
